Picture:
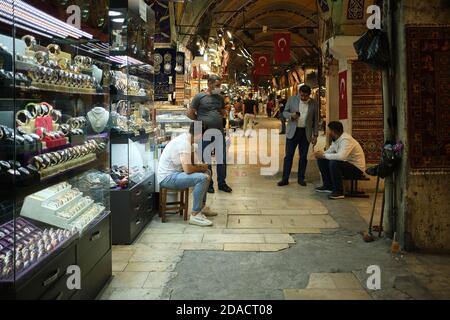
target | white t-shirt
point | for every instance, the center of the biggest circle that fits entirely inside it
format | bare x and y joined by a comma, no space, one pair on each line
170,161
303,114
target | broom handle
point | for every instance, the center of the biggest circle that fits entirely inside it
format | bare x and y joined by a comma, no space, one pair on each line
382,215
374,204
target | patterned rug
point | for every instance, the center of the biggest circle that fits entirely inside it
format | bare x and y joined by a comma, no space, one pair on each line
367,110
428,63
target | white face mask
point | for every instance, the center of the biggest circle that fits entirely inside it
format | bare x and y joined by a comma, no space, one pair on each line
215,91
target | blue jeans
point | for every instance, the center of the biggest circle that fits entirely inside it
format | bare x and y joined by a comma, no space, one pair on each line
333,171
221,168
182,180
301,141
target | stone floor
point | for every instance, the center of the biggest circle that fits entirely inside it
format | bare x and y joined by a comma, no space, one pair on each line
271,243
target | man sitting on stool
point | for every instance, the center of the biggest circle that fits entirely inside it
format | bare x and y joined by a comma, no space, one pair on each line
178,169
344,158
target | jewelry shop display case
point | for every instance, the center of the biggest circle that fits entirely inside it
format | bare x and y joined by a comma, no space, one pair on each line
54,149
133,129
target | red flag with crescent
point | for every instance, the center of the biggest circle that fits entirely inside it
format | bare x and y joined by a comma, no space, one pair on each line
262,64
343,101
282,42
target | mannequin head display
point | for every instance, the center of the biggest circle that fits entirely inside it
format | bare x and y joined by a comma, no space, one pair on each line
98,119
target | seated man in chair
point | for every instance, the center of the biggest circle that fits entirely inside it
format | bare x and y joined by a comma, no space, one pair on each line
344,158
178,169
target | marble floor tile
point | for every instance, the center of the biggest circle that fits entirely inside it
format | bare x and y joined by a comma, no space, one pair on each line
296,230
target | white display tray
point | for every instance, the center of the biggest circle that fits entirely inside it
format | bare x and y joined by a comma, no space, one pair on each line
35,207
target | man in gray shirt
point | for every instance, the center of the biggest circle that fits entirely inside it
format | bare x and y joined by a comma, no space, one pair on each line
209,107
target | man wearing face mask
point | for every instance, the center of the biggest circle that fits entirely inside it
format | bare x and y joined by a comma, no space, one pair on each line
345,157
209,108
302,129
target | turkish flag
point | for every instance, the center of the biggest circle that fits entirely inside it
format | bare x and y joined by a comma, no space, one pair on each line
343,103
262,64
282,42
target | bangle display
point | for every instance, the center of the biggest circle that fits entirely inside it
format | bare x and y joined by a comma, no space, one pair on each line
23,117
54,49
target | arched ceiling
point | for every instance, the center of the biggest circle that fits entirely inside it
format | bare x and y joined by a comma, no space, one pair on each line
246,18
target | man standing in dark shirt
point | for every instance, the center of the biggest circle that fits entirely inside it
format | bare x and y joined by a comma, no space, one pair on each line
250,111
209,107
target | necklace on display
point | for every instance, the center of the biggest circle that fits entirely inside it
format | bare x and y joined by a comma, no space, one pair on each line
98,117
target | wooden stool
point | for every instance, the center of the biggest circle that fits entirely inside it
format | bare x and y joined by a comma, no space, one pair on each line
181,206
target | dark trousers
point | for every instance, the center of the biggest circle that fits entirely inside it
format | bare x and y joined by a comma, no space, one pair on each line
269,113
333,172
221,168
301,141
283,123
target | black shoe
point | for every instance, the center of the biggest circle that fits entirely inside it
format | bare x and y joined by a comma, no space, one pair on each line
283,183
211,189
336,196
225,188
323,189
302,183
282,132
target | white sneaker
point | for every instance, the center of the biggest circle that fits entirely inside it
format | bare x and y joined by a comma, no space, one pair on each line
200,220
208,213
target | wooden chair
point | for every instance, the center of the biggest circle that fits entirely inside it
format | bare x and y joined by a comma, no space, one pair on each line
181,206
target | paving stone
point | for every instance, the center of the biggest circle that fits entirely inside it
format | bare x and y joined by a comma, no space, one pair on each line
325,294
133,294
301,230
321,281
233,238
253,231
128,280
158,279
346,281
122,255
202,246
166,238
156,255
273,247
289,212
150,266
278,238
201,230
252,247
119,266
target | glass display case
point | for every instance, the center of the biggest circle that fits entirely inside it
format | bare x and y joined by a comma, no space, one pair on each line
171,121
54,149
133,130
